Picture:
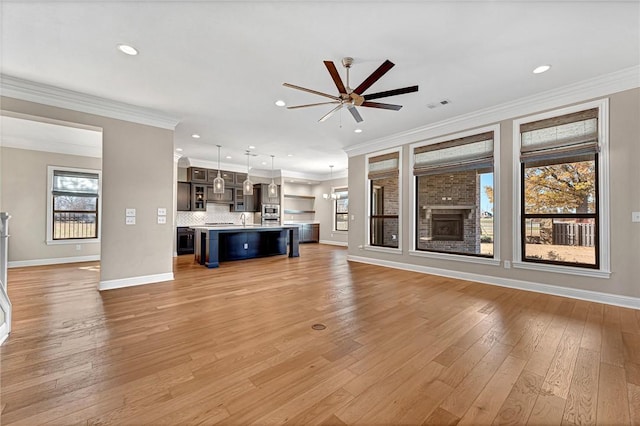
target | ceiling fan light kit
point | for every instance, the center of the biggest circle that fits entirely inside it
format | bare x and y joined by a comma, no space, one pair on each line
352,98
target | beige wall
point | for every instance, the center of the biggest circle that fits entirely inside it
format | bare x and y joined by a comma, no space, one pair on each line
137,172
624,134
24,196
325,211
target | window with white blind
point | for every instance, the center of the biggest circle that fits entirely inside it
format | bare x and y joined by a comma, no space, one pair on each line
73,204
562,164
454,181
384,199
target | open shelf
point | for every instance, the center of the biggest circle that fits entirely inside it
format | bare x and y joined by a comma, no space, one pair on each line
301,197
289,211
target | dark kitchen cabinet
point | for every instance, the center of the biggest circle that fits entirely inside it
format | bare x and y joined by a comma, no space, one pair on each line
240,178
225,198
239,201
184,196
198,197
228,177
197,175
261,193
184,240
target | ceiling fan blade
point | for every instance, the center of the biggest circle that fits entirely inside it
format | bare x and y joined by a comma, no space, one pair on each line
395,92
315,92
330,113
381,105
310,105
382,70
331,67
356,115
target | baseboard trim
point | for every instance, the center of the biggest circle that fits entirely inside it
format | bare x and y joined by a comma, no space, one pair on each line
4,333
134,281
334,243
53,261
573,293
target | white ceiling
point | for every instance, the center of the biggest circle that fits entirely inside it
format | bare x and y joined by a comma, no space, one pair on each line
219,65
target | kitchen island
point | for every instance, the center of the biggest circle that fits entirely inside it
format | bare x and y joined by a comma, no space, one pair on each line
217,243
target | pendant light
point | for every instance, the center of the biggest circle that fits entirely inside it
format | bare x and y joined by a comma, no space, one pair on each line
273,188
331,196
247,185
218,182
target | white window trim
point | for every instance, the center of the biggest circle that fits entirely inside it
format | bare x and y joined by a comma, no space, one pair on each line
603,192
50,240
367,245
495,260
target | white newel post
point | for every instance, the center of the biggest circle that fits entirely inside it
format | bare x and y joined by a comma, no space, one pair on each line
5,303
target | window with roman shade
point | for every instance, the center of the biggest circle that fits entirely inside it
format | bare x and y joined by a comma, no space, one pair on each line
454,195
384,195
559,193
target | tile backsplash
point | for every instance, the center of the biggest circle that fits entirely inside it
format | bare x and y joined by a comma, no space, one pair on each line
215,213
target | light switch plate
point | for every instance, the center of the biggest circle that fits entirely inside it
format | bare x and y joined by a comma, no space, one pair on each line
162,220
130,220
130,212
162,211
635,216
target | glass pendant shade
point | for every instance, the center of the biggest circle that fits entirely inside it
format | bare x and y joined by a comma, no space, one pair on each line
332,195
218,182
247,185
273,188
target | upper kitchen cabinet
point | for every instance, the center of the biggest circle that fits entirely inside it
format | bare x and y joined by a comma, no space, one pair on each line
225,198
184,196
197,175
228,177
240,178
261,194
198,197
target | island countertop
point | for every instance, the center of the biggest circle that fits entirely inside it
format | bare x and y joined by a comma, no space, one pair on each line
214,243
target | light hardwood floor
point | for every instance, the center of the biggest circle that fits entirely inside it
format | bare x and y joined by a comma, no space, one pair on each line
235,345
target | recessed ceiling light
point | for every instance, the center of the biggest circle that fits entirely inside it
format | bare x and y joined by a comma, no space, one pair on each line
280,102
264,163
289,155
195,136
228,157
252,147
541,69
129,50
358,130
178,149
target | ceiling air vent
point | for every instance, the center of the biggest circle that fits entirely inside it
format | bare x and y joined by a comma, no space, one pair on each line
439,104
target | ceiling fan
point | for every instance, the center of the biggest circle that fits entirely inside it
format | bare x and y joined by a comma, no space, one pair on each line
351,98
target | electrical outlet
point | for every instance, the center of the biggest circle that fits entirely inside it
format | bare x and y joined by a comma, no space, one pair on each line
162,220
635,216
246,246
162,211
78,247
130,212
507,264
130,220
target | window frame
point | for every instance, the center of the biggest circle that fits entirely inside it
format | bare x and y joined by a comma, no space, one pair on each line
368,245
602,245
462,257
50,207
335,209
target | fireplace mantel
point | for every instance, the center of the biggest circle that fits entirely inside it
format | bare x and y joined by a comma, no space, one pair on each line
468,208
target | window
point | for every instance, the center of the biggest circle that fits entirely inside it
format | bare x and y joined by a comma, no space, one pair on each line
454,195
73,207
384,196
560,201
342,209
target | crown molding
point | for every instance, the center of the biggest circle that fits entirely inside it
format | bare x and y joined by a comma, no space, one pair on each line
625,79
14,87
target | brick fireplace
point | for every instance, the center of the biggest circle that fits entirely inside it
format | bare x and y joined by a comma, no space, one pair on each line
448,212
